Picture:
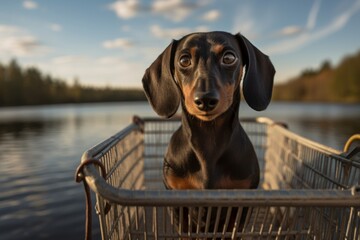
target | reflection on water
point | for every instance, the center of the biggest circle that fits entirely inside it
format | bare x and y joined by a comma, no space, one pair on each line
40,148
333,132
329,124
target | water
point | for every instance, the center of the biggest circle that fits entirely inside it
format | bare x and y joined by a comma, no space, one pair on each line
40,148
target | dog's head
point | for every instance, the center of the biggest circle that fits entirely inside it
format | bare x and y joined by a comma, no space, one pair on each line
204,70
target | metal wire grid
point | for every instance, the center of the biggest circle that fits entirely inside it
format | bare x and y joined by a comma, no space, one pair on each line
157,136
122,157
134,161
271,222
303,164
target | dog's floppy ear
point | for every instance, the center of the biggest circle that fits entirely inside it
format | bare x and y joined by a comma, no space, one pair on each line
259,75
159,83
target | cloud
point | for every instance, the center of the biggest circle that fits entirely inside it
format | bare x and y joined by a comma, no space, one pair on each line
311,35
290,31
118,43
102,71
311,22
175,10
109,60
174,33
125,9
211,16
67,59
293,30
55,27
20,46
15,41
6,29
31,5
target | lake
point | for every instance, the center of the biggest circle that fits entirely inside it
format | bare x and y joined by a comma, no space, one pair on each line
40,148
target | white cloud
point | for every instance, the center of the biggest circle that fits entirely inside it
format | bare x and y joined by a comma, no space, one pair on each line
211,16
174,33
125,8
293,30
19,46
31,5
306,37
165,5
290,31
175,10
109,60
6,29
118,43
311,22
67,59
55,27
15,41
103,71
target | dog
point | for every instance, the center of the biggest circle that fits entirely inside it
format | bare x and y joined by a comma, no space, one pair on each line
203,71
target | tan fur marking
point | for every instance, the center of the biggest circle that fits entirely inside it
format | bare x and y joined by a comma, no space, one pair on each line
193,51
226,97
218,48
189,102
188,182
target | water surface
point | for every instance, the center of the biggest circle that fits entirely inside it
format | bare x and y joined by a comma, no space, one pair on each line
40,148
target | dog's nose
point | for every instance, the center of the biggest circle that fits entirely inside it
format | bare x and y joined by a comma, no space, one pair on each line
206,101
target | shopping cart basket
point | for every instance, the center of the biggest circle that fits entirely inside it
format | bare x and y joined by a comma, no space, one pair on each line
308,191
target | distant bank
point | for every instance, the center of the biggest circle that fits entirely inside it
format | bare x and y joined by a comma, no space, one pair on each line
20,87
327,84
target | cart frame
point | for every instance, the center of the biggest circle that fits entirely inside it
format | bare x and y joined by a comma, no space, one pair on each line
308,190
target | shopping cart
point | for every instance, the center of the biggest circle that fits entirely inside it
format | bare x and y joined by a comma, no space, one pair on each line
307,190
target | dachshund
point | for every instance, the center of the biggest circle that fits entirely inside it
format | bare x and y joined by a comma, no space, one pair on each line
203,71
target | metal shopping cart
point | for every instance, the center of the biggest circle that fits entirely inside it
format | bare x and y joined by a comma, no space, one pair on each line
308,190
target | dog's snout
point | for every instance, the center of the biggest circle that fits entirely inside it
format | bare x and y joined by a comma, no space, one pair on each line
206,101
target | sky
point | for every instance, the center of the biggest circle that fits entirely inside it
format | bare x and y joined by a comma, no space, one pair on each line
111,43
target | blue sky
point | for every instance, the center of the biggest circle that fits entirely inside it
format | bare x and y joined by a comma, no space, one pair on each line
111,43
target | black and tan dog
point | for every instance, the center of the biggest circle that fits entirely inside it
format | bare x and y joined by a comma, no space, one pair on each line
203,71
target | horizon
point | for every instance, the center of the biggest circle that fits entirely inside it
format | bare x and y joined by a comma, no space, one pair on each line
110,44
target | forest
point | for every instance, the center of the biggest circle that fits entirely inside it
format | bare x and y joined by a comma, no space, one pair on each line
29,86
326,84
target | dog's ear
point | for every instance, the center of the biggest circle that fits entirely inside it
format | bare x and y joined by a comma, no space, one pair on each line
259,75
159,84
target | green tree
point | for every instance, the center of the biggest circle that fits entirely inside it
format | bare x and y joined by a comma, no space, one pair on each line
31,87
13,84
76,91
2,85
326,65
346,82
34,87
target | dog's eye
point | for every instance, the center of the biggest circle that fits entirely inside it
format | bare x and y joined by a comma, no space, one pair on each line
185,61
229,58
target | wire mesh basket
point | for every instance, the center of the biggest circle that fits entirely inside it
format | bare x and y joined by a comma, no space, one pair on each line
307,190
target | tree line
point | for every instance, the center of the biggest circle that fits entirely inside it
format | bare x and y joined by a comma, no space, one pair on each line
30,87
326,84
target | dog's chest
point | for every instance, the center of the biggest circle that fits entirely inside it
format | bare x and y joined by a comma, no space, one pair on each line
208,180
208,159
